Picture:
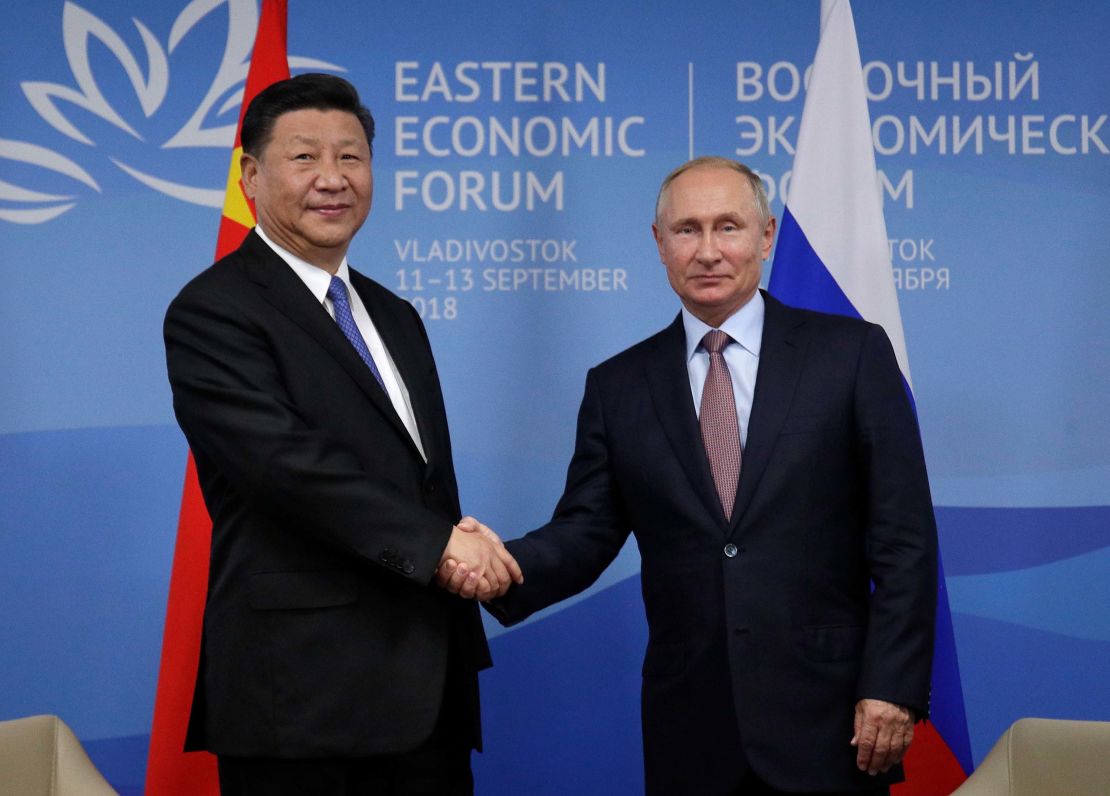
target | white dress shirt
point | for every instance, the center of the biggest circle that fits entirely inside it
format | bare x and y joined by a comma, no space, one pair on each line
317,280
745,327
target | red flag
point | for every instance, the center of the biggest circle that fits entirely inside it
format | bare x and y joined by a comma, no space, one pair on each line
170,771
931,767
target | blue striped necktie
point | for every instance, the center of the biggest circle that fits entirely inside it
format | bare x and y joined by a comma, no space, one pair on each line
337,292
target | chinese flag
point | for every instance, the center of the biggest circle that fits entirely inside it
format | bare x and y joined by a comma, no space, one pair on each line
170,771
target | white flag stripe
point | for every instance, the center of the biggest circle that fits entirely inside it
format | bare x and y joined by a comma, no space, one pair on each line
834,190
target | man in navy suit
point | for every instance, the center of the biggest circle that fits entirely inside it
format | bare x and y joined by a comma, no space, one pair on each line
790,609
331,662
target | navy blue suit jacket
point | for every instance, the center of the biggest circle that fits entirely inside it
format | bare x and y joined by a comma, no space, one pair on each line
768,648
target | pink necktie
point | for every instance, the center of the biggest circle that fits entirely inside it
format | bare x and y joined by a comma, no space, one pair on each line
720,430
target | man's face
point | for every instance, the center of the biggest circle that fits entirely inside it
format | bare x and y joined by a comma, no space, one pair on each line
313,186
712,242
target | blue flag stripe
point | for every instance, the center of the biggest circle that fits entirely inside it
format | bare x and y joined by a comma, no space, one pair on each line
800,279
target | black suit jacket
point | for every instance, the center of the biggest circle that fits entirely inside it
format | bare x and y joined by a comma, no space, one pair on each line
763,631
323,633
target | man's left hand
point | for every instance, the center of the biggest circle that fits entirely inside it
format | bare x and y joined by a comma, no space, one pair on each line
884,731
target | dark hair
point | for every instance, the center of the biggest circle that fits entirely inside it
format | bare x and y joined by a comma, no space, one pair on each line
312,91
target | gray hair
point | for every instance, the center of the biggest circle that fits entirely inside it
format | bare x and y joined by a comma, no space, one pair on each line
714,162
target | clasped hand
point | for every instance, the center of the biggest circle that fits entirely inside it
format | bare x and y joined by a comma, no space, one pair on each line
475,563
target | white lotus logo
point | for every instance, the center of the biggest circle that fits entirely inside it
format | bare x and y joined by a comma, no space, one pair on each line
53,101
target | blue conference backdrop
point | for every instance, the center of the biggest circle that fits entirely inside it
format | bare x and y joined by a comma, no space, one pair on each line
519,152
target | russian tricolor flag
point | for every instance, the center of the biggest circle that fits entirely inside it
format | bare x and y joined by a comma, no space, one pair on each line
833,256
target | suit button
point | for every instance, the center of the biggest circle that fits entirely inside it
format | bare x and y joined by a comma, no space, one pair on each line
409,568
730,550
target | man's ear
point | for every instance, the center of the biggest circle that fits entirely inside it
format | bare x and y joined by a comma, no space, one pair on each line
769,236
248,169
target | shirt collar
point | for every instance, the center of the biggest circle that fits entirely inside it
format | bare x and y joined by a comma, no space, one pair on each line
745,326
316,279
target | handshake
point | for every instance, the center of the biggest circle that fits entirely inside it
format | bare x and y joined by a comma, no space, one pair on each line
475,564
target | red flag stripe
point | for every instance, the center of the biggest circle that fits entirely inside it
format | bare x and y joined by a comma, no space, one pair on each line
931,768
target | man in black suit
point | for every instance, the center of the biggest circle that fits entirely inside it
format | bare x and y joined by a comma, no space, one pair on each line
772,664
330,664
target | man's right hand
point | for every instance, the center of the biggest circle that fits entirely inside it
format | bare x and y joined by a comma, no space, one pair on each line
475,563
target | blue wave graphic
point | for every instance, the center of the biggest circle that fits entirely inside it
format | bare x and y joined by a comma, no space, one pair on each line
981,540
1083,486
561,707
122,761
1068,597
1010,671
89,518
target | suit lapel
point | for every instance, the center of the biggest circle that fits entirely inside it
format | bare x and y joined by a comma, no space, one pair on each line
780,361
284,290
669,381
401,339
